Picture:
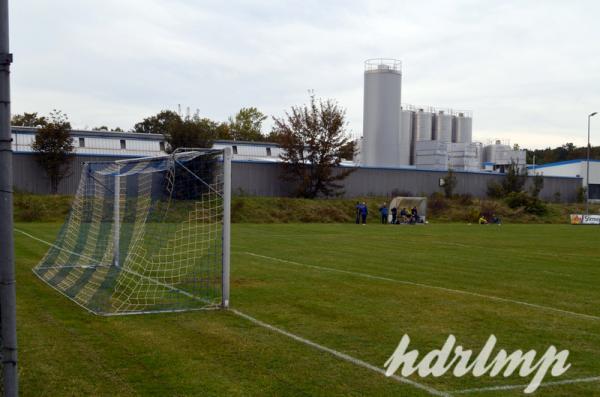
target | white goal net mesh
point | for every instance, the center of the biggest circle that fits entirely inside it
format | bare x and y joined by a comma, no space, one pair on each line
143,235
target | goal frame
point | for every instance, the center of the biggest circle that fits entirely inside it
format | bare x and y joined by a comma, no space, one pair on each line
116,261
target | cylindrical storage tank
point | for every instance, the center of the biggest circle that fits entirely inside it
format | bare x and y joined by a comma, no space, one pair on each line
381,117
443,127
422,127
406,138
463,129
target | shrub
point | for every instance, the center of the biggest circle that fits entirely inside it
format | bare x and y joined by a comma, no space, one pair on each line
449,183
437,203
531,204
465,199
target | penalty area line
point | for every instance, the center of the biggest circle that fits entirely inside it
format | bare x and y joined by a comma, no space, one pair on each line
340,355
456,291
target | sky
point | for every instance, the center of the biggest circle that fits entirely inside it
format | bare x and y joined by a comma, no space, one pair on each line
528,70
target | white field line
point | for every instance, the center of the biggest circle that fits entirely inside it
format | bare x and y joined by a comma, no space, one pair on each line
333,352
158,282
340,355
455,291
53,245
297,338
512,387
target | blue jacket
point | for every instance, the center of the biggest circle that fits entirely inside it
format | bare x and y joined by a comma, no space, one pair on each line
363,209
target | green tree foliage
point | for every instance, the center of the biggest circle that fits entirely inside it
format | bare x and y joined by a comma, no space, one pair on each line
568,151
246,125
191,132
515,178
52,145
348,151
157,124
311,138
105,128
449,183
28,120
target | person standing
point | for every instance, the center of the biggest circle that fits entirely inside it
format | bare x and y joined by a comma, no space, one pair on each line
383,210
358,211
394,215
364,211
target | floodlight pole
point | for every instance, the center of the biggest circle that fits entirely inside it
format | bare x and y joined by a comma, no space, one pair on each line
226,226
587,177
7,254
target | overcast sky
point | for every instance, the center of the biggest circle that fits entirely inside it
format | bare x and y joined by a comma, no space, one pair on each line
529,71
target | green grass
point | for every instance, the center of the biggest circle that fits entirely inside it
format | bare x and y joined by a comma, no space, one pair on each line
66,351
246,209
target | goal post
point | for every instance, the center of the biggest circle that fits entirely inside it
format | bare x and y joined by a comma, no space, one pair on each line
147,235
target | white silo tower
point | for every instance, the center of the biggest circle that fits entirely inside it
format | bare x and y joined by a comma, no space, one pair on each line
443,127
463,128
382,114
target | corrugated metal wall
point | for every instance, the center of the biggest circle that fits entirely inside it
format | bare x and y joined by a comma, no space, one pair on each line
263,179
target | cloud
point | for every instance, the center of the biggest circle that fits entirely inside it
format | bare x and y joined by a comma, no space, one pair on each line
528,70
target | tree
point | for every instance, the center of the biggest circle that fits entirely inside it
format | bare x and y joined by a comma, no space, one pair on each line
191,132
53,144
28,120
157,124
246,125
105,128
311,138
515,178
538,185
449,183
348,151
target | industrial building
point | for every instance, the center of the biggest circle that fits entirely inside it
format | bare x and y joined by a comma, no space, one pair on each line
423,137
572,168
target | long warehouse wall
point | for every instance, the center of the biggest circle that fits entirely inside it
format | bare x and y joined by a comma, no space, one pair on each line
263,179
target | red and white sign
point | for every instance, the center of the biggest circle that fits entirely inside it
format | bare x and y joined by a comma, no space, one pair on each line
577,219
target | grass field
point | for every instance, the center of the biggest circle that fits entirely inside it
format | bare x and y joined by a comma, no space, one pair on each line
353,289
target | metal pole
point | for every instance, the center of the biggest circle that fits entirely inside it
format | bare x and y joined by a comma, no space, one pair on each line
117,218
7,255
587,176
226,225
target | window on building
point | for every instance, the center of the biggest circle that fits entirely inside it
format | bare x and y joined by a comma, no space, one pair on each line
269,151
234,148
81,142
162,146
123,144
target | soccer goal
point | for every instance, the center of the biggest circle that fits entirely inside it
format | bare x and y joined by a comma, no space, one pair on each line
146,235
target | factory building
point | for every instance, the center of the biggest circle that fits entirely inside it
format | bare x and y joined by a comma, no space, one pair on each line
573,169
423,137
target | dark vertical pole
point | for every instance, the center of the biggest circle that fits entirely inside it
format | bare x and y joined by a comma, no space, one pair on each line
587,174
7,255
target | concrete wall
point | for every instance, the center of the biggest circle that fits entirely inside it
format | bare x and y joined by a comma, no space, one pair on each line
263,179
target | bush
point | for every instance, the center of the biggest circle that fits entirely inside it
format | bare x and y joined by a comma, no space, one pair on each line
465,199
531,204
437,203
449,183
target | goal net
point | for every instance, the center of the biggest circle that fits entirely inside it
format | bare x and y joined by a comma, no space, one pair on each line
146,235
